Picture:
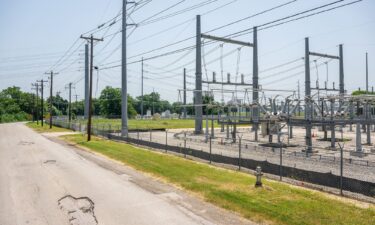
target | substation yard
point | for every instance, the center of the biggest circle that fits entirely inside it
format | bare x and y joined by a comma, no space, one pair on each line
324,159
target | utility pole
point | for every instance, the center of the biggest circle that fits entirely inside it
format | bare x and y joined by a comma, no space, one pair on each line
91,39
153,101
36,85
307,97
87,82
124,78
255,82
142,91
366,73
184,101
341,64
76,97
42,101
70,101
368,107
33,108
198,79
50,98
76,102
58,104
299,97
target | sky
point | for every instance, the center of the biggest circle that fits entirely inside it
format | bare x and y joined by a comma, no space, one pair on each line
39,35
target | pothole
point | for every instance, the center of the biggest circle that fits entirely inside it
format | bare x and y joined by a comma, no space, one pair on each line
25,143
80,211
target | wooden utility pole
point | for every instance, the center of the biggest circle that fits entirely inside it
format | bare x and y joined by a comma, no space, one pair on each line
70,102
91,40
42,101
76,102
36,85
50,98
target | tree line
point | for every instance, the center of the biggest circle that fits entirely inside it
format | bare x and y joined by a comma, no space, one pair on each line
16,105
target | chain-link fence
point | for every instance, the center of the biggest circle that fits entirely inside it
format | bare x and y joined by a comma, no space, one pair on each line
335,171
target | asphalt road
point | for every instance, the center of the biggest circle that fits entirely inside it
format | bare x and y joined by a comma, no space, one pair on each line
46,181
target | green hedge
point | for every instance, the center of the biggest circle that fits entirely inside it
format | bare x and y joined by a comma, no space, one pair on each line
7,118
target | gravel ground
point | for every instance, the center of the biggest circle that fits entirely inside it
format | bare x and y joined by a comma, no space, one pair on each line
325,161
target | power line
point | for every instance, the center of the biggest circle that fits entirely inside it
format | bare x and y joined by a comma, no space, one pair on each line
177,13
160,12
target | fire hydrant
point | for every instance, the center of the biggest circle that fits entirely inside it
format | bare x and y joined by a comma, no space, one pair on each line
258,175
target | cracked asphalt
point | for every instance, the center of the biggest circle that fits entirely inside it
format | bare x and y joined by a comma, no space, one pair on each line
44,180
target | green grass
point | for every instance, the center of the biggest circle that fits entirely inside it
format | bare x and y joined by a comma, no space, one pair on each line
275,203
151,124
45,128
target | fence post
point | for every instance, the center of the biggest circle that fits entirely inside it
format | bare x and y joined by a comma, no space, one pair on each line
239,152
185,144
138,134
166,140
341,160
150,135
210,149
281,161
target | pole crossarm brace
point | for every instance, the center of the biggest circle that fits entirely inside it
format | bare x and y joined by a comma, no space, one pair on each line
227,40
324,55
91,38
226,83
324,89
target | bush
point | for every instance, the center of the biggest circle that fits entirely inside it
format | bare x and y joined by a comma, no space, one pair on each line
7,118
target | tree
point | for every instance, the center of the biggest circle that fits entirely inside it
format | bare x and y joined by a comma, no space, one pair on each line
110,103
15,105
360,92
152,102
60,104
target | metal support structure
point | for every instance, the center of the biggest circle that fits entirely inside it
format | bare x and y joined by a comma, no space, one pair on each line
341,62
124,76
198,80
366,72
91,40
142,89
255,83
368,107
184,96
358,138
227,40
299,98
307,96
87,82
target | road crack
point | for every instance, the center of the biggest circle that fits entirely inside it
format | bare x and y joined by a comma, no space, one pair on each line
80,211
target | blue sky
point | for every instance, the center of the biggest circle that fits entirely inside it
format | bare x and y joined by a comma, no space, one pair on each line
36,33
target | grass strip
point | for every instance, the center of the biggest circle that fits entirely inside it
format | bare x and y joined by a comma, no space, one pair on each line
38,128
275,203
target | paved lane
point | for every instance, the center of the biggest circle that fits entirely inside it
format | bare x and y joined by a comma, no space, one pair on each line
47,182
